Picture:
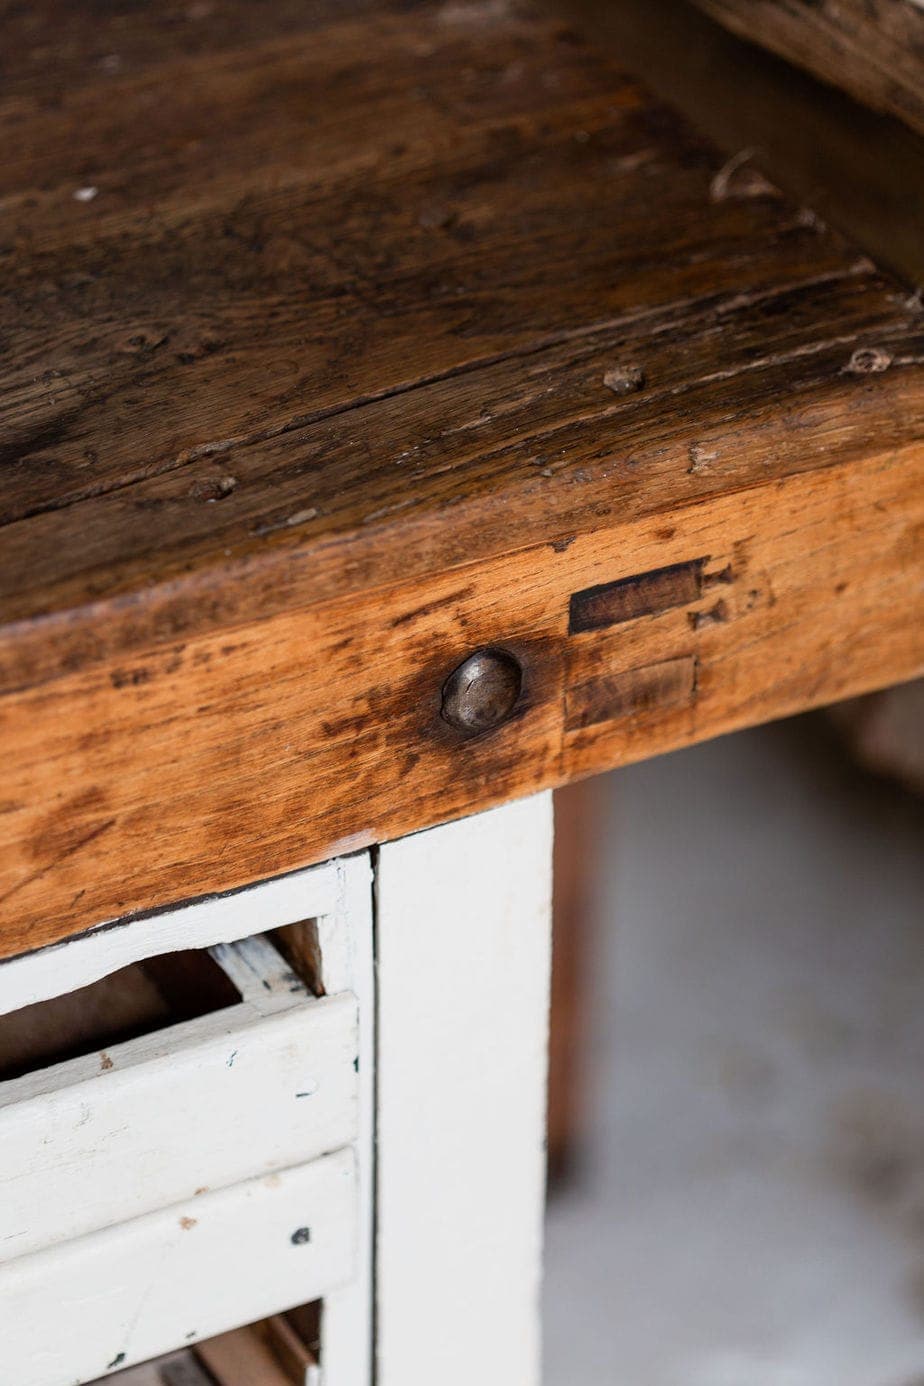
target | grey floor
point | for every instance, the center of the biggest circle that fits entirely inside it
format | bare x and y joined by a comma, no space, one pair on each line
749,1209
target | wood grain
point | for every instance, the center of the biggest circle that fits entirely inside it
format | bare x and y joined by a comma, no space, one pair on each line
850,166
243,1358
872,48
581,826
310,399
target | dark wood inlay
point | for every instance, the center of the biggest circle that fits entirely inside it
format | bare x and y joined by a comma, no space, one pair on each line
641,595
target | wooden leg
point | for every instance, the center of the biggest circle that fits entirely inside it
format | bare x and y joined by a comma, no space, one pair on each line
463,948
578,827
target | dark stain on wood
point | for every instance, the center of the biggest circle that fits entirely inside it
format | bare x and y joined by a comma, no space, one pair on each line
645,594
714,616
632,693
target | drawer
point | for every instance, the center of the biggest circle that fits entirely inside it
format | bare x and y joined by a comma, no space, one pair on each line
267,1083
87,1308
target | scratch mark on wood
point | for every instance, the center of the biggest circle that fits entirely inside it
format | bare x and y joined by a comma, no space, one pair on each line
736,180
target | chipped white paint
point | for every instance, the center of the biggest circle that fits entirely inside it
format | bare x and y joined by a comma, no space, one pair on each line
201,1105
463,927
76,1312
64,967
257,970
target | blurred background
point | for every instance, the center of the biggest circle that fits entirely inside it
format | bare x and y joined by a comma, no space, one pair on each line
737,1115
736,1127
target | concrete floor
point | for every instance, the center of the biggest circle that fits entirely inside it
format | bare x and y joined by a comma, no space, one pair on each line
749,1209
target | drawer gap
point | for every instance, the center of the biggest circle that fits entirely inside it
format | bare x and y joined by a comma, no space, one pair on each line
283,1350
139,999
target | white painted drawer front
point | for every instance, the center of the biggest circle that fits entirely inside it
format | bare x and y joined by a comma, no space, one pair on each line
204,1104
74,1312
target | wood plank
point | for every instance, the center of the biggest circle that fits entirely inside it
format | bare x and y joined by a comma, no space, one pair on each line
464,955
349,406
824,601
872,48
191,1271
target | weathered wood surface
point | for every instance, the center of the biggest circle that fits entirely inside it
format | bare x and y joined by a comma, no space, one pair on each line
856,169
306,401
872,48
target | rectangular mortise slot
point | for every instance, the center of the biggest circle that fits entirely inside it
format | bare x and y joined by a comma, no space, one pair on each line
136,1000
632,692
645,594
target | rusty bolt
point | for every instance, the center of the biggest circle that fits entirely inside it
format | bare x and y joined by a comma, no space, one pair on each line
482,692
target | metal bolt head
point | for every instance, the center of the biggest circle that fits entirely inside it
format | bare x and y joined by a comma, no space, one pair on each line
482,692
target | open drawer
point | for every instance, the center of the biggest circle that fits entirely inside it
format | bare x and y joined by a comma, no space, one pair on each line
259,1085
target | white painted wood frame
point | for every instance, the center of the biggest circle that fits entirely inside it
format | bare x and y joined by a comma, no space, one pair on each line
463,955
457,1075
338,895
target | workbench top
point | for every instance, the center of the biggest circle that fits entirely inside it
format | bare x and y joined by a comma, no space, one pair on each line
344,339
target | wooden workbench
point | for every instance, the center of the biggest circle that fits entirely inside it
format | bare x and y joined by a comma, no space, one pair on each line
341,341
